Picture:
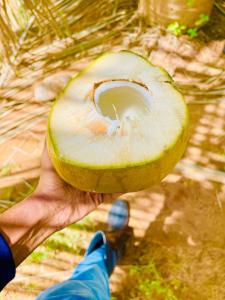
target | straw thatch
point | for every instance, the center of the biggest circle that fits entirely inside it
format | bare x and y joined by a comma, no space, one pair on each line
39,38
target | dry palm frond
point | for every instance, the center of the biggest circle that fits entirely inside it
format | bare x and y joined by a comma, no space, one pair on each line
220,6
41,37
40,25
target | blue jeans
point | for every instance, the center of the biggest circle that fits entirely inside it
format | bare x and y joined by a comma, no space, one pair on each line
90,280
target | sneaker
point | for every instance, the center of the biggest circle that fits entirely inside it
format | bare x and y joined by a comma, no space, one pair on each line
115,237
119,232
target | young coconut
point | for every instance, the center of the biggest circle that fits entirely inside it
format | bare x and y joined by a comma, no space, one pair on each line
119,126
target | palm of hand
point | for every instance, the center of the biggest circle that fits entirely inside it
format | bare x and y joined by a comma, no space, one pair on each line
65,204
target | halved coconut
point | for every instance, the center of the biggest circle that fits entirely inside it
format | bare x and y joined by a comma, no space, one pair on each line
119,126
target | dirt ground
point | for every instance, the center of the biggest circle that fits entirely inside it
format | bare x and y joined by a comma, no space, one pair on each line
178,251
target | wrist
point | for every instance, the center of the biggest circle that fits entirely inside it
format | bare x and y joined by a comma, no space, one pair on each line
57,208
25,226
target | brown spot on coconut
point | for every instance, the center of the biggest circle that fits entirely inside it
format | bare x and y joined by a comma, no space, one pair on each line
98,127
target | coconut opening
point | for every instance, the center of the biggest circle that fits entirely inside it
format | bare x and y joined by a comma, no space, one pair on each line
119,100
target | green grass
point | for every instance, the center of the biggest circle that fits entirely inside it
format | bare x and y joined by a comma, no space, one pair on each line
38,255
149,284
68,240
65,240
86,224
176,28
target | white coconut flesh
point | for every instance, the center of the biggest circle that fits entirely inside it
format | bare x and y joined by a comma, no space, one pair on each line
119,112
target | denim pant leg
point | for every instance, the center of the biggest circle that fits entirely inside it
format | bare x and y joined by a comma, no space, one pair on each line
90,280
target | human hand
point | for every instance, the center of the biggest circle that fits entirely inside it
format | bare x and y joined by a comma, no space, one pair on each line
63,203
54,205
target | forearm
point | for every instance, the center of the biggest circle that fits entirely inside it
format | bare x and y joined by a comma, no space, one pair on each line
25,226
53,206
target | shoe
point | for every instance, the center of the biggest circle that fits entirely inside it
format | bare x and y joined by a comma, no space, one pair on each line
119,232
119,215
116,236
